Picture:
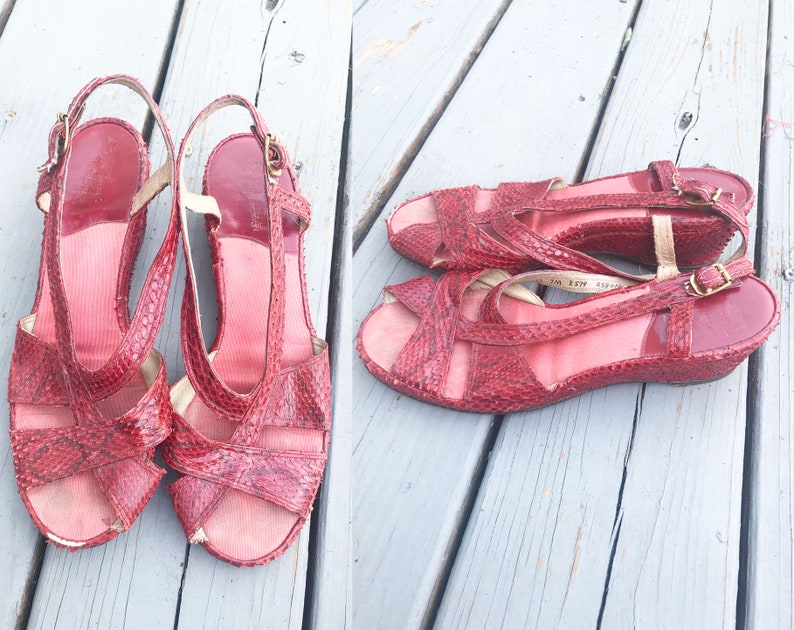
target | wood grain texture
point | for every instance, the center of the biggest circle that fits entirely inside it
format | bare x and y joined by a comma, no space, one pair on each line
40,76
770,566
218,595
532,555
407,59
414,461
683,556
332,603
132,580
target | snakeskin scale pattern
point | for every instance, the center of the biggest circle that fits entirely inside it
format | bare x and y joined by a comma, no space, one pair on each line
294,396
501,381
94,442
116,450
699,240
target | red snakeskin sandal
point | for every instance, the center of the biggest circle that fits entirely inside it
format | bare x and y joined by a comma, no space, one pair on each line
252,416
481,341
89,396
520,226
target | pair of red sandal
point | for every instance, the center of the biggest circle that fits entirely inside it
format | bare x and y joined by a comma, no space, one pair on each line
477,339
248,425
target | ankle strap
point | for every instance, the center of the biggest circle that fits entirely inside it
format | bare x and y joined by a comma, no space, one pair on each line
212,390
60,134
145,323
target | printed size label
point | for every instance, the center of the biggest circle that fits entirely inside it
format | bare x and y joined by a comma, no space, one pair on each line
583,285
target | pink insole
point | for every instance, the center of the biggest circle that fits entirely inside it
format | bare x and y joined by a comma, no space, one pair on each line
243,526
104,172
728,318
423,210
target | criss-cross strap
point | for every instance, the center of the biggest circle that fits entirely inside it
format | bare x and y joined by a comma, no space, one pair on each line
144,325
208,385
424,360
286,478
94,442
676,192
299,398
36,373
112,448
415,294
500,237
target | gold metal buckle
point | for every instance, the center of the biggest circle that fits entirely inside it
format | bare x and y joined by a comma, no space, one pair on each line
274,166
699,290
61,142
692,200
62,139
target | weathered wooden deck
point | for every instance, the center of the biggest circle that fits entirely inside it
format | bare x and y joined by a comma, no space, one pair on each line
633,506
293,58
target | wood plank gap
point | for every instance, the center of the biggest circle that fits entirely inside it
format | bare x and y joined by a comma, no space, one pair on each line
275,9
26,603
455,540
753,375
181,586
336,291
390,184
359,7
743,585
148,125
5,12
694,84
618,522
588,152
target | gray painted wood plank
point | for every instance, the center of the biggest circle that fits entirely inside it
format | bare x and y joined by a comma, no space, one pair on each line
132,580
407,58
218,595
770,570
694,434
332,603
40,76
533,555
692,542
411,461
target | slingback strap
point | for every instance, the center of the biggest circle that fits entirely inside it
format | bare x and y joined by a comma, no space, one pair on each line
704,281
459,231
139,339
210,388
492,328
